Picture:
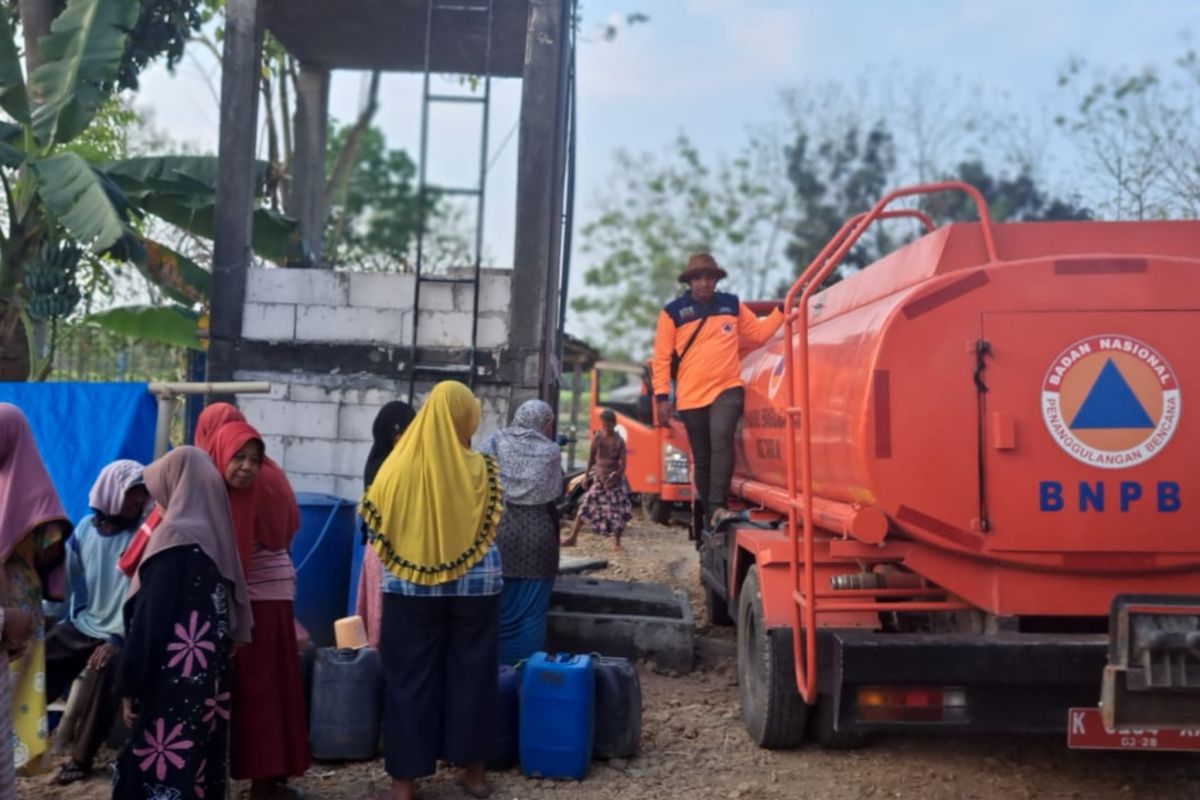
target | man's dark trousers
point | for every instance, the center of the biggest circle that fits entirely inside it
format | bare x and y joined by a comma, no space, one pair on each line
710,431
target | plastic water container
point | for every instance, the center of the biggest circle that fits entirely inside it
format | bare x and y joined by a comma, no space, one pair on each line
618,709
558,694
347,702
508,751
321,552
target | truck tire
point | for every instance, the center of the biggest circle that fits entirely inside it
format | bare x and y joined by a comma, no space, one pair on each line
772,709
655,510
717,608
820,728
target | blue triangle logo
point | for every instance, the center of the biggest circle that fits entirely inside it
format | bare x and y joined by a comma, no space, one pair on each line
1111,404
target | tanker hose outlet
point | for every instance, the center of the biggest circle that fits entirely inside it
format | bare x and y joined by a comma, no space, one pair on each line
860,580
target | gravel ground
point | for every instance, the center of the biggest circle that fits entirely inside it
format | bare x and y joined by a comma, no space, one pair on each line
694,746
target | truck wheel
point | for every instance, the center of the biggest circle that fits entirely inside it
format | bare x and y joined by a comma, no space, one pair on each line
820,728
654,509
717,608
772,709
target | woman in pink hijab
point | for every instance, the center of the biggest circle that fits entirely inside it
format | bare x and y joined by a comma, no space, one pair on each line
33,533
186,607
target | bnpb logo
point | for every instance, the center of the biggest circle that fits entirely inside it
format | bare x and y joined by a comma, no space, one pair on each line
776,379
1111,401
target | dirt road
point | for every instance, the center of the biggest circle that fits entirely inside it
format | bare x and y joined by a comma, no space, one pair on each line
694,746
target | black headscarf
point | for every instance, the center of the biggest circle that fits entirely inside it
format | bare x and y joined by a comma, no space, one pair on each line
393,419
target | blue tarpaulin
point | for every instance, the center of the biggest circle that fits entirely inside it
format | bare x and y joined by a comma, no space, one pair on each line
82,427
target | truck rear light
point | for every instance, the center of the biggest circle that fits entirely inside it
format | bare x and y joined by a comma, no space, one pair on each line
912,704
675,465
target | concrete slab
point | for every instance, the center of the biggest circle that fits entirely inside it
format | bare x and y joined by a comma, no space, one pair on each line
617,618
577,565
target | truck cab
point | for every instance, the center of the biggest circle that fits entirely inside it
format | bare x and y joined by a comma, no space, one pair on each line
658,460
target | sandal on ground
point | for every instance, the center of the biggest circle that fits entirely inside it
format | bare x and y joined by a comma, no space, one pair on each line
71,772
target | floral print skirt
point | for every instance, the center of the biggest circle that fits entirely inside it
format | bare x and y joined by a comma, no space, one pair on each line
607,510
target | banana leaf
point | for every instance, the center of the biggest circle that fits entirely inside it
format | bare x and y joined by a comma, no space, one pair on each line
77,196
13,97
174,174
81,58
181,278
172,325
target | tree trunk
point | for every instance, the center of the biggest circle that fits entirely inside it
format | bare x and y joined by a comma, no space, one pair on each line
346,159
36,16
14,347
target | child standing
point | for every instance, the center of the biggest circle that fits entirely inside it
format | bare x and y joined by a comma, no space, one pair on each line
606,507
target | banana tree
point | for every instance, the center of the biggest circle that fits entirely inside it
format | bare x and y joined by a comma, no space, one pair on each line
61,208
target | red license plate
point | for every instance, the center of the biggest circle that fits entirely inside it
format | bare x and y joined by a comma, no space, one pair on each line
1086,731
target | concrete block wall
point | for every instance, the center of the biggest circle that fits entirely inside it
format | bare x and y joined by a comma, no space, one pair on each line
318,426
313,305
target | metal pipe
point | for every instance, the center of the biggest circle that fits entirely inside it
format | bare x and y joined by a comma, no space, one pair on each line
167,393
866,524
848,582
162,426
220,387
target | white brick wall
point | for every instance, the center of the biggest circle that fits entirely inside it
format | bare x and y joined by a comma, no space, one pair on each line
381,290
271,322
349,324
287,418
318,426
298,286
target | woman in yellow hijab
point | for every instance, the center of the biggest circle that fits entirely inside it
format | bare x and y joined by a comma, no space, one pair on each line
431,515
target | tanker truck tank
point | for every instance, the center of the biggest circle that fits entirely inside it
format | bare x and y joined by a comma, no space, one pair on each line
971,488
1019,421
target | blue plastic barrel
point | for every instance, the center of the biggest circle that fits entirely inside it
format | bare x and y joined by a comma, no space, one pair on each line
557,706
321,552
358,549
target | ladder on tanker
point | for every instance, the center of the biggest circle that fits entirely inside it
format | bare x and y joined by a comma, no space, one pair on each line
807,600
438,11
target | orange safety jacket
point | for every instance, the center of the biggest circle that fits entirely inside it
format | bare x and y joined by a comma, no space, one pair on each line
712,365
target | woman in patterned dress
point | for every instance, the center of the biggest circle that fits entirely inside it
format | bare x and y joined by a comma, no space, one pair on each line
532,477
606,507
187,605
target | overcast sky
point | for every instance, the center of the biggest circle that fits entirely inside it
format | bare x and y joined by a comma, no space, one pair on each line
715,68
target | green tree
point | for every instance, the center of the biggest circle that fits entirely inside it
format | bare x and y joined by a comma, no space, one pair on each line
375,213
1139,136
660,209
839,174
836,174
1015,198
66,215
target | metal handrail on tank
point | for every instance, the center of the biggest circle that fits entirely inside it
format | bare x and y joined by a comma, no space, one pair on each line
805,597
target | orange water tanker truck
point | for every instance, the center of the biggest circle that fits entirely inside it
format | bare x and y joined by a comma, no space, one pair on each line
971,489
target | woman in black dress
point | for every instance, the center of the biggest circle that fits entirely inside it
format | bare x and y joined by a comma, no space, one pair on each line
187,606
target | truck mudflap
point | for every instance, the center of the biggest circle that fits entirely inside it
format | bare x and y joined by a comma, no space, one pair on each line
1152,679
1004,682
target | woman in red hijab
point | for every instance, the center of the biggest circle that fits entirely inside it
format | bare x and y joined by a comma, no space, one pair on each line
269,741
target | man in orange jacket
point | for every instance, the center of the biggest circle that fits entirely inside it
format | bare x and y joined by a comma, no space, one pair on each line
699,334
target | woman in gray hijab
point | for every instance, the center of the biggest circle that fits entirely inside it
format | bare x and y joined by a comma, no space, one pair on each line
531,474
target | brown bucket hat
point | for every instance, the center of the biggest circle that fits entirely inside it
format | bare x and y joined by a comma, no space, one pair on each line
701,264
